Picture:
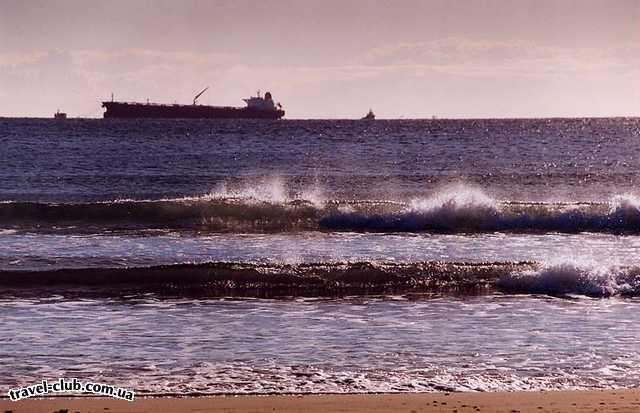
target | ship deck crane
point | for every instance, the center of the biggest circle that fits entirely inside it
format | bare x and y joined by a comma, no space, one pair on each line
199,94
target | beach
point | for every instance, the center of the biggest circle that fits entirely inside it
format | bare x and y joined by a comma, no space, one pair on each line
523,402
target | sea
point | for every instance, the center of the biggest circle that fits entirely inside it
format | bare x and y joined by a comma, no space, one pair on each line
197,257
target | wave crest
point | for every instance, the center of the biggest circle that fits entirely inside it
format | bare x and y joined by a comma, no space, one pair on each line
566,278
272,191
216,279
468,209
272,207
331,279
454,208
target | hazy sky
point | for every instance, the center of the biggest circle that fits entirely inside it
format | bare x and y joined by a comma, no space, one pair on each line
325,58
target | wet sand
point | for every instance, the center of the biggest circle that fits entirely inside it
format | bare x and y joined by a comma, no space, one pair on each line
556,401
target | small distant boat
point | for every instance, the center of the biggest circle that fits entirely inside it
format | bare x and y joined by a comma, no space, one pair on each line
369,116
59,115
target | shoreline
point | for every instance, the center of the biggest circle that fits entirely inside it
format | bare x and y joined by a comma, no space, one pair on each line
621,400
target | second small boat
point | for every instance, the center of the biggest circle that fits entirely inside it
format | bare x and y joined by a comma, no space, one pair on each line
369,116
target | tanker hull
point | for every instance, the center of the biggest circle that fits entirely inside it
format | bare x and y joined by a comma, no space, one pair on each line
160,111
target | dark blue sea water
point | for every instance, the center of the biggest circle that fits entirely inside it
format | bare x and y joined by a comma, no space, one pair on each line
321,256
542,160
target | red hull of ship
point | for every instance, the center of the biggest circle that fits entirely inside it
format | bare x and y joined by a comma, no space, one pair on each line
159,111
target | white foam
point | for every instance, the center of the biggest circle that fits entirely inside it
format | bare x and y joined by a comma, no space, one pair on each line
573,277
625,209
272,190
456,206
466,208
625,202
458,197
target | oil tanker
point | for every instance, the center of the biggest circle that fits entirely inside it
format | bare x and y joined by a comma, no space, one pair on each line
258,107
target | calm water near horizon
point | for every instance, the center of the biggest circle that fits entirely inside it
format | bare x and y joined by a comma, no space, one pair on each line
559,195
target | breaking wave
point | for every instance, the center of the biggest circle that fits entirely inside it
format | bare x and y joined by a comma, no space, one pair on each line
266,280
567,278
464,209
455,209
188,214
331,279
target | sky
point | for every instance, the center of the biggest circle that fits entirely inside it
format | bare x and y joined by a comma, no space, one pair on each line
325,58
